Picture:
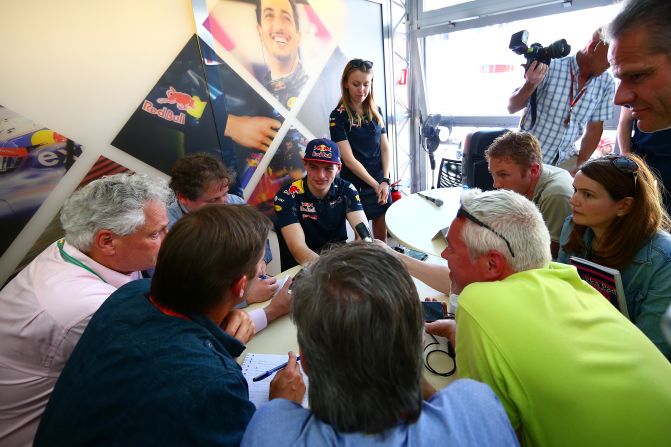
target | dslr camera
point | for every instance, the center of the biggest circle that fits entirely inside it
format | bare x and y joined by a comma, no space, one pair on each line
536,52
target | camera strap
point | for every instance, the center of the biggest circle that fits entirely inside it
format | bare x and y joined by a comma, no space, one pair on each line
532,113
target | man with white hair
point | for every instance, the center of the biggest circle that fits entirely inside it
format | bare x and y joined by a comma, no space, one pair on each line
562,360
114,227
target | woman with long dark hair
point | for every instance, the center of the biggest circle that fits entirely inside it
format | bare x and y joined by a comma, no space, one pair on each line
619,221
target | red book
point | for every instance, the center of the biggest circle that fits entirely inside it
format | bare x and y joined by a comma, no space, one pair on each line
604,279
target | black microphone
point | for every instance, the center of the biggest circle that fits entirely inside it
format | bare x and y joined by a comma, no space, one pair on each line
432,161
436,202
363,232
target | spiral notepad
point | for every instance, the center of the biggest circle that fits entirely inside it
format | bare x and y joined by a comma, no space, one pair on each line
255,365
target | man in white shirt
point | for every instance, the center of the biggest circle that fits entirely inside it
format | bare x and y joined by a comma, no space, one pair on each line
114,227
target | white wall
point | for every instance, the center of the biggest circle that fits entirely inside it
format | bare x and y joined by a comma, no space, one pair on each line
80,68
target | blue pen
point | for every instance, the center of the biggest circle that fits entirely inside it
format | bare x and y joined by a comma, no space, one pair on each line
270,372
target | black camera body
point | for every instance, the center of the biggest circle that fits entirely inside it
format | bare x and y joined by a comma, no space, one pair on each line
536,52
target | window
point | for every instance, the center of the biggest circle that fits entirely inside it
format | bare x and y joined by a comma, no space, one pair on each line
432,5
473,73
470,71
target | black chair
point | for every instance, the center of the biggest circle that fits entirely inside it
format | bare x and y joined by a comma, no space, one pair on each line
474,169
449,174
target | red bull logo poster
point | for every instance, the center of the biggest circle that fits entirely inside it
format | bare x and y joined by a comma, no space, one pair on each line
291,55
175,118
253,89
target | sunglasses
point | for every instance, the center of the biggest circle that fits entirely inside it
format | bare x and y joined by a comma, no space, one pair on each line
463,213
358,63
623,164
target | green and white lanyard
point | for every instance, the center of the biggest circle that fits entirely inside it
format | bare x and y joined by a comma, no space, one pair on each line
68,258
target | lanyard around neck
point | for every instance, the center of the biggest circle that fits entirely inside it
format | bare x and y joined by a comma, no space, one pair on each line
571,100
68,258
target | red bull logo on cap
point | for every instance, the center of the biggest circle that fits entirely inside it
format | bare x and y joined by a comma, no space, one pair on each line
322,151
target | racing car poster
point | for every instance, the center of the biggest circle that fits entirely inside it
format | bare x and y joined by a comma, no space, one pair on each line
33,159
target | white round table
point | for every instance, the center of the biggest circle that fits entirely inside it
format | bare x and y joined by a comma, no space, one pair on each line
416,222
280,336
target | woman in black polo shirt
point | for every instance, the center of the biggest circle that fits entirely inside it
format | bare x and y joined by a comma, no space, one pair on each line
357,127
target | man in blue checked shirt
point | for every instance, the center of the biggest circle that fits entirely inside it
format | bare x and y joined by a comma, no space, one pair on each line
574,97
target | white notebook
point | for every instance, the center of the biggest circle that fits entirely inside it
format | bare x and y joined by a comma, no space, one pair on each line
255,365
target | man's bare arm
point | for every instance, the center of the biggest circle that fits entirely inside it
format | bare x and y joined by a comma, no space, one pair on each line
436,276
624,129
295,238
532,77
590,141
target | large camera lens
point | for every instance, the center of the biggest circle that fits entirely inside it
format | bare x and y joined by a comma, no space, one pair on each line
558,49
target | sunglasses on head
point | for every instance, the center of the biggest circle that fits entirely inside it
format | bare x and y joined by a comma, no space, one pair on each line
358,63
623,164
463,213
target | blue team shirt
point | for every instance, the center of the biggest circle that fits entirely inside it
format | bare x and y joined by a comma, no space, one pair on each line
322,220
655,148
364,141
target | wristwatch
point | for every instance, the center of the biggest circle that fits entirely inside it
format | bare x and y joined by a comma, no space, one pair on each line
385,180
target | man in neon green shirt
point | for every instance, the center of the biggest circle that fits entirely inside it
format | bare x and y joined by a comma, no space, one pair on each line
569,369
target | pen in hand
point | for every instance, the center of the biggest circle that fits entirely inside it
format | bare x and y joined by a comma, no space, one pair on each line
270,372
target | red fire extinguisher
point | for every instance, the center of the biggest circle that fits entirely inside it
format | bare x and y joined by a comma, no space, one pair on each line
396,193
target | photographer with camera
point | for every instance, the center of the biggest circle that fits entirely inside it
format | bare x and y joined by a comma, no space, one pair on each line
573,97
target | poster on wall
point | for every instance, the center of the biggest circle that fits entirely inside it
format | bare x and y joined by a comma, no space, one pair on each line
33,159
54,231
290,54
254,93
175,118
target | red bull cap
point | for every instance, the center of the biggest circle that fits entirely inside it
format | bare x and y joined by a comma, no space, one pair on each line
322,150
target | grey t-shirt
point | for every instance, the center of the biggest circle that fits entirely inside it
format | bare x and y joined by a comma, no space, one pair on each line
551,196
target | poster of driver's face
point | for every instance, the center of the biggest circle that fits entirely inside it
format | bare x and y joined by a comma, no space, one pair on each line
277,45
291,54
